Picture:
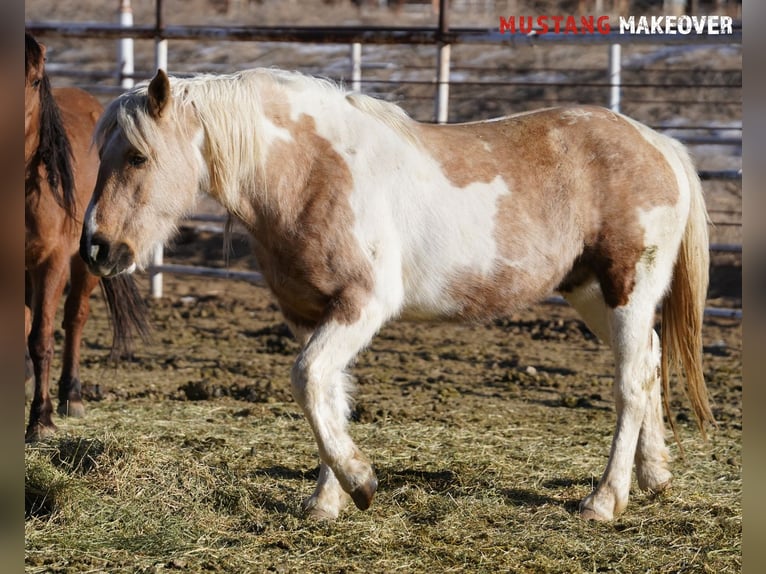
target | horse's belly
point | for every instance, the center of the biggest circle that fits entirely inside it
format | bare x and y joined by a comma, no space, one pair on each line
470,294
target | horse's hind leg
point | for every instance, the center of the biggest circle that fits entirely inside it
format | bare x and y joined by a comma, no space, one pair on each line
76,312
321,388
630,337
652,456
637,384
49,280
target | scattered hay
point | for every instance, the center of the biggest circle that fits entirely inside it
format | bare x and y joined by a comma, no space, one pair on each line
195,486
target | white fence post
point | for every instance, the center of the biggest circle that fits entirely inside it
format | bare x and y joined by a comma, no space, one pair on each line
356,67
160,62
615,53
441,104
125,47
442,84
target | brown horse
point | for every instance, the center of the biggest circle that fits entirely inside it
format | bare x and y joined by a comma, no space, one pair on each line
60,174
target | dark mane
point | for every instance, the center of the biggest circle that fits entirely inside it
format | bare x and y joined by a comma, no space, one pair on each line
54,152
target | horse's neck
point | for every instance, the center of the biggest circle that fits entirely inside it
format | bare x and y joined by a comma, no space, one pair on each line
285,128
266,185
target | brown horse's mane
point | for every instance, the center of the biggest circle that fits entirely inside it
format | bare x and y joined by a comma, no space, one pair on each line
54,151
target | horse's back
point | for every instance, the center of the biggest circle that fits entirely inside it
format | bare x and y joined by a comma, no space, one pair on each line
80,112
566,194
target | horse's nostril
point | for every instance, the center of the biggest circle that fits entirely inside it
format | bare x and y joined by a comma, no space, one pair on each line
99,252
96,251
104,257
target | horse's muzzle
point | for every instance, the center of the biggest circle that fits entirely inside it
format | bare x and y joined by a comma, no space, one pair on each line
105,258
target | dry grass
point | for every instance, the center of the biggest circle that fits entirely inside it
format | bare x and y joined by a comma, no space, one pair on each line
214,487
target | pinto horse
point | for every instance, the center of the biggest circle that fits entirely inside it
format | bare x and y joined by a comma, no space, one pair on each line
359,215
60,173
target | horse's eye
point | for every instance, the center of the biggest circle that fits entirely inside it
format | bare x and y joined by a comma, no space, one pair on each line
36,83
136,159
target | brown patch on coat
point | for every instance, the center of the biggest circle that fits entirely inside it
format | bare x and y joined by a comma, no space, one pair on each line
303,238
577,179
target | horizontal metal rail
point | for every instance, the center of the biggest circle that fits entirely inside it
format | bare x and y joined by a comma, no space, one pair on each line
257,279
365,35
251,276
720,174
709,311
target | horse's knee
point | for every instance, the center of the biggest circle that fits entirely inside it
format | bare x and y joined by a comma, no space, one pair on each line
76,310
40,348
29,369
299,380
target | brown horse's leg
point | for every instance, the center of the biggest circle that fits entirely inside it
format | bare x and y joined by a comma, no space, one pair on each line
49,280
75,315
29,370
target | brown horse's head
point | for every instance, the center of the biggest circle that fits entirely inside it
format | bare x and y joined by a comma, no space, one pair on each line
149,176
47,149
34,75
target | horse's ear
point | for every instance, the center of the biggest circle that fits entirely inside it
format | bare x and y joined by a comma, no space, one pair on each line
159,94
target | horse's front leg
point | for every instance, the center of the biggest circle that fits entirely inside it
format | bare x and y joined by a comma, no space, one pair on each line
322,390
76,312
49,281
29,369
328,498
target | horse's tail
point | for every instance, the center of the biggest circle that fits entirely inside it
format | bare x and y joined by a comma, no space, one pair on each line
127,310
684,305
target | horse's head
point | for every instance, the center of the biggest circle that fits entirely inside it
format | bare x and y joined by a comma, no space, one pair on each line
34,78
149,176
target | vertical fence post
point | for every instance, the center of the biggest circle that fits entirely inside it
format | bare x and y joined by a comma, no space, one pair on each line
160,61
441,104
615,53
160,44
356,67
125,47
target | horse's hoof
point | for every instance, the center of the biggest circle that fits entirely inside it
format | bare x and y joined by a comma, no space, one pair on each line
38,431
600,508
319,514
659,488
363,495
593,514
313,511
75,409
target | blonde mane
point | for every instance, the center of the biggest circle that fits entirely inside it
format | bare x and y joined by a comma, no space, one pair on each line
388,113
234,151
